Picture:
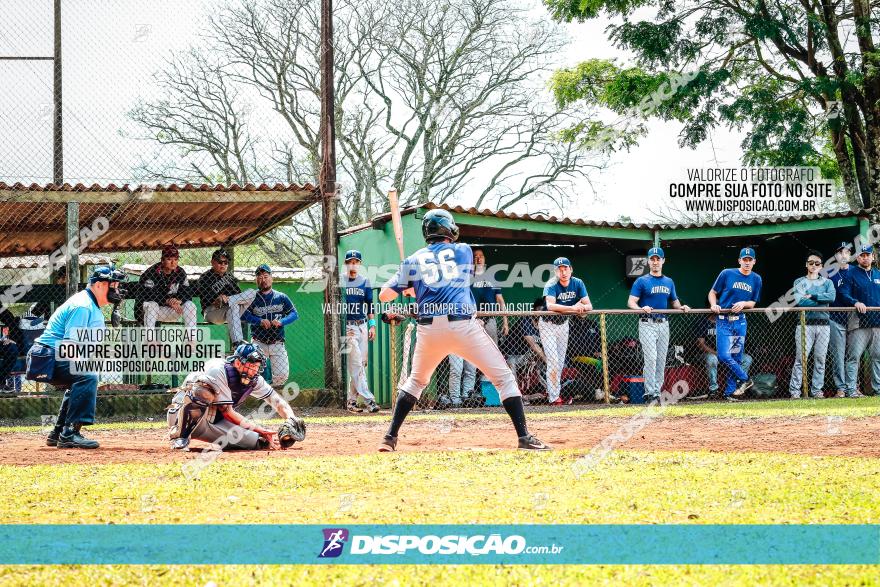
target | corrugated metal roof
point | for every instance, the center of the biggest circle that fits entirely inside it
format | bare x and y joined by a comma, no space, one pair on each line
381,218
33,218
171,187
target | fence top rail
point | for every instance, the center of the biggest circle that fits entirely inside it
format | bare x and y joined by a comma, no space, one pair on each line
769,310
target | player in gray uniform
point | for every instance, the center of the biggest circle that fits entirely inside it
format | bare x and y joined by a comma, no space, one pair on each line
205,407
360,329
440,275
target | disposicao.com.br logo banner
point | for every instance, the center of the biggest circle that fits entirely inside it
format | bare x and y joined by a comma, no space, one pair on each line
35,544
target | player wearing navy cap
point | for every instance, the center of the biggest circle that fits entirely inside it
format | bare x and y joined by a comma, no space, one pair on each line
838,321
440,275
862,290
360,329
650,292
735,290
564,295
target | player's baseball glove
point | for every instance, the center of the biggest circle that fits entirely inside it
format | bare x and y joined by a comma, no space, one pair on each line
291,430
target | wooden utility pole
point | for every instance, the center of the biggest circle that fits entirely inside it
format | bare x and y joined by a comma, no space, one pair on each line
332,327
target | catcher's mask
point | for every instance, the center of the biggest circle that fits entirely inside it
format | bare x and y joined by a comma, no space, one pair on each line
248,361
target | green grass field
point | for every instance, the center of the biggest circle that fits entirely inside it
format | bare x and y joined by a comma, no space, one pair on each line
466,487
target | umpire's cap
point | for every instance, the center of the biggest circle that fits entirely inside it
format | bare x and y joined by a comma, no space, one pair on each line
248,353
438,224
353,254
107,274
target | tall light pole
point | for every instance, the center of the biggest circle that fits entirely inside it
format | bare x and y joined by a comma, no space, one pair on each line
332,327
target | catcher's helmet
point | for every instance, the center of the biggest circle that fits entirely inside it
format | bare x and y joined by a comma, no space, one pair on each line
248,353
353,254
439,224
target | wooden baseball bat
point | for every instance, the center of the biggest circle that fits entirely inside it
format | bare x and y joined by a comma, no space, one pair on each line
395,220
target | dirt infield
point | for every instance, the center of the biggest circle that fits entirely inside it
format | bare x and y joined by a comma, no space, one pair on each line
813,436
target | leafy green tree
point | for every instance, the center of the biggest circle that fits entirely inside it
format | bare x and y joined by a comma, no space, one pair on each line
801,78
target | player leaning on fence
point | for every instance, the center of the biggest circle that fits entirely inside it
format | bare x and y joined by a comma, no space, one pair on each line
268,313
735,290
838,320
862,290
650,292
811,291
564,295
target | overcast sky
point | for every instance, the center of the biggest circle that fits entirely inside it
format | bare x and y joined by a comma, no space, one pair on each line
111,48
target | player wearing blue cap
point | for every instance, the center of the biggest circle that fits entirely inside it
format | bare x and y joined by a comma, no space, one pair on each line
267,311
82,310
564,295
650,292
838,320
862,290
360,329
735,290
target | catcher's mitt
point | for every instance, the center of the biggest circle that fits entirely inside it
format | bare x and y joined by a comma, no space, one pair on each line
291,430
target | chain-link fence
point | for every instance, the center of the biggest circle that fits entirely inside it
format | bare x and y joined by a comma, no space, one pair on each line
626,356
192,256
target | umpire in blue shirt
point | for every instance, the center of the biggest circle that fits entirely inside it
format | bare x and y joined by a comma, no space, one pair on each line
650,292
862,289
82,310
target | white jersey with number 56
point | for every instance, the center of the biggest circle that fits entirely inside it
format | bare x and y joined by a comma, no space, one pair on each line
441,275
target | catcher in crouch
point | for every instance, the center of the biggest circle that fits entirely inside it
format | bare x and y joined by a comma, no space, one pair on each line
204,407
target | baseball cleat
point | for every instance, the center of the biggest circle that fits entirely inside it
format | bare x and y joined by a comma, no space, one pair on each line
180,443
840,393
353,408
372,407
389,444
858,394
730,398
531,442
743,387
76,440
52,439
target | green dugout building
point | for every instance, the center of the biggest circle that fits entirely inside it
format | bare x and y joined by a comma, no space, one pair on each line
608,255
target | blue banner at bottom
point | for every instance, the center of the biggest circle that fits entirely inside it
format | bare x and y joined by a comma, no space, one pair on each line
439,544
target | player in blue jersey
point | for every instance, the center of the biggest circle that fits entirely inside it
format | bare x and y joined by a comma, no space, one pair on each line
360,328
564,295
735,290
650,292
267,311
440,275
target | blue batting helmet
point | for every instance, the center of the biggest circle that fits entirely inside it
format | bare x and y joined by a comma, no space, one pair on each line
439,223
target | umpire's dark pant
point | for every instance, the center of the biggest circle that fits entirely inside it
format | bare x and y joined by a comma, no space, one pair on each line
78,405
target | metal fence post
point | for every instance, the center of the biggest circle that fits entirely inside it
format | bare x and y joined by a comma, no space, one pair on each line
602,336
392,359
804,379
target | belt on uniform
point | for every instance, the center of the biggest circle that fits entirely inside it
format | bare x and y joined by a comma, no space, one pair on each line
729,317
657,320
430,319
357,322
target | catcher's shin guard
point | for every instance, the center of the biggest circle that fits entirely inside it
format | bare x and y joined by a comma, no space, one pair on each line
190,405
